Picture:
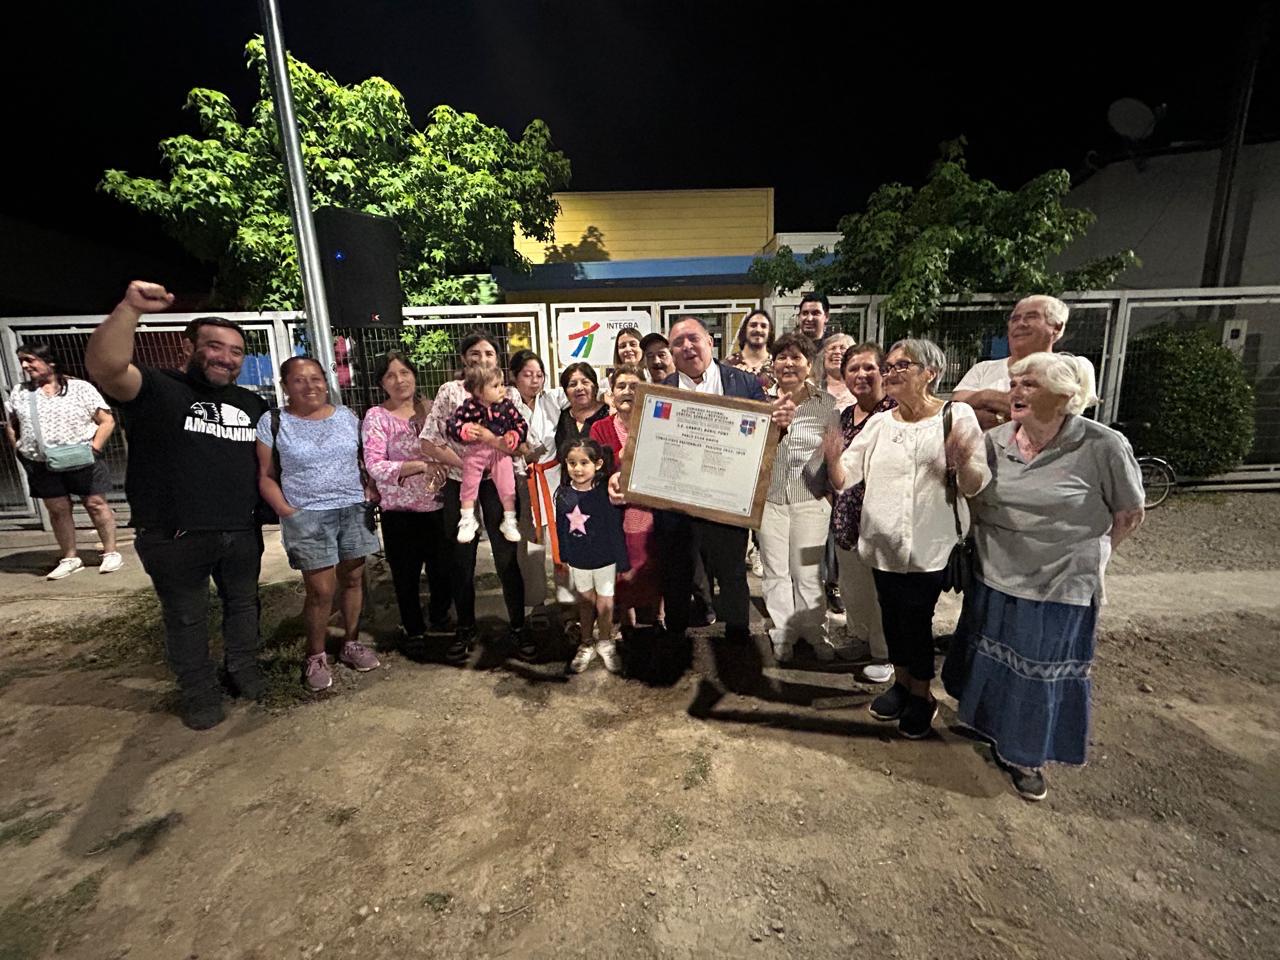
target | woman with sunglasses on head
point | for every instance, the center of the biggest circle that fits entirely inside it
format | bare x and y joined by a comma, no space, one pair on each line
907,539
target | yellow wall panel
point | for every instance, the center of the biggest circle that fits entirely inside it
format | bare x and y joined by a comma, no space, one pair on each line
640,225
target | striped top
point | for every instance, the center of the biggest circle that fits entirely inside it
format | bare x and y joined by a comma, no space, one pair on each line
798,467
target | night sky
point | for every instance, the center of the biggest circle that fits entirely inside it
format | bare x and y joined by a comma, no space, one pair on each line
821,102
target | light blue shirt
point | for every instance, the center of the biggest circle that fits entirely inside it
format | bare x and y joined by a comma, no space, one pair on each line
318,468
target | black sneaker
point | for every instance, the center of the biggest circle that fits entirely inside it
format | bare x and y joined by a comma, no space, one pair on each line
1029,783
413,645
525,644
202,710
248,683
890,704
916,721
459,649
833,599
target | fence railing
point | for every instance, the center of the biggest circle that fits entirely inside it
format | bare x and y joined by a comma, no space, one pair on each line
1108,327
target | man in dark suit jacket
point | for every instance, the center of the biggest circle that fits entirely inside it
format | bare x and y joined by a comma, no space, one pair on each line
681,537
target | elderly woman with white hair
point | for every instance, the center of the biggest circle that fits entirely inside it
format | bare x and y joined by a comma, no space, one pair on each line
1036,323
908,528
1064,492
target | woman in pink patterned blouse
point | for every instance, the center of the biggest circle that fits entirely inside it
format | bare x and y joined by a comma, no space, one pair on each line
409,473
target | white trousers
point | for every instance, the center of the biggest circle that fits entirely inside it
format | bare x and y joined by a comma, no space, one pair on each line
862,608
793,538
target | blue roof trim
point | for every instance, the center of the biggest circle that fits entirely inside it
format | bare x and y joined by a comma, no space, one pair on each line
662,272
629,273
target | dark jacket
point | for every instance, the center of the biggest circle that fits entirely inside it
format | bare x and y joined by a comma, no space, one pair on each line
736,383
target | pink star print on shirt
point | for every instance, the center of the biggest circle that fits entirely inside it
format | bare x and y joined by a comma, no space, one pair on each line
577,520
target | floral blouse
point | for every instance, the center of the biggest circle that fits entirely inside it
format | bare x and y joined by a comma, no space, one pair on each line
846,516
389,442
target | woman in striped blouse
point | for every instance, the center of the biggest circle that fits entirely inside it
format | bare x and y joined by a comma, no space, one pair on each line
793,532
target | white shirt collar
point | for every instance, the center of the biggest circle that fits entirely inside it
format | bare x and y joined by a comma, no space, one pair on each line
710,380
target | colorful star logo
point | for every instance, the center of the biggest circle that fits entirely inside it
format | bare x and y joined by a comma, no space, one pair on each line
585,337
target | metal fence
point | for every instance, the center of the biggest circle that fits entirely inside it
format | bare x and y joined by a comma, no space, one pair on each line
430,337
1111,329
1108,327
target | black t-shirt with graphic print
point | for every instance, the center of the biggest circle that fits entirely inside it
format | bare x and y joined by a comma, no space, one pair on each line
192,460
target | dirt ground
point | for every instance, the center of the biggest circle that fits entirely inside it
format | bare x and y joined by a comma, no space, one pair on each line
500,810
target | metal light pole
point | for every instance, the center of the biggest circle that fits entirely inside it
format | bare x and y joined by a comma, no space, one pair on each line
1215,253
304,228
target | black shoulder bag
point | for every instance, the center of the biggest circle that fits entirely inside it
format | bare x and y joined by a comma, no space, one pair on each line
959,572
263,513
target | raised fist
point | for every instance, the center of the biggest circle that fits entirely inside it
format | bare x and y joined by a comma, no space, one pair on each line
147,297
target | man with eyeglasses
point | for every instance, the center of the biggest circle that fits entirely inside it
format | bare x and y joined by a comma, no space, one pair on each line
1035,325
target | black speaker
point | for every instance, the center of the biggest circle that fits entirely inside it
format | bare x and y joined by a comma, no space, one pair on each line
360,261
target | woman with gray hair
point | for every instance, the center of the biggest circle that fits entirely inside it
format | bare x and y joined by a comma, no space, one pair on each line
1035,324
1064,492
907,528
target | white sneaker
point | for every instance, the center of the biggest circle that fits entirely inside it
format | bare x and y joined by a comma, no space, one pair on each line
877,672
608,650
65,568
111,562
467,527
509,528
582,659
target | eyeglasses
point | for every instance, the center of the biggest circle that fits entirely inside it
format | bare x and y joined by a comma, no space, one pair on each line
902,366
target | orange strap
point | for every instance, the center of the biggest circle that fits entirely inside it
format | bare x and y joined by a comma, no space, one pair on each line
539,501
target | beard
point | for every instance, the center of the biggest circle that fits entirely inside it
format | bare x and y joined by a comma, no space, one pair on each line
195,370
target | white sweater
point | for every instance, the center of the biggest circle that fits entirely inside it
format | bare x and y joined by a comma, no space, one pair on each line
907,525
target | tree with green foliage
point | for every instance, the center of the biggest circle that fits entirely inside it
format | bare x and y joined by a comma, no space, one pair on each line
955,235
458,189
1166,409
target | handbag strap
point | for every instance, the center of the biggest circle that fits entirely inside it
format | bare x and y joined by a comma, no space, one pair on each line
275,443
35,420
953,488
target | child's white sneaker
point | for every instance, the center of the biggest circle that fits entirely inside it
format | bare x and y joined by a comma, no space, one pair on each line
509,528
467,527
608,650
582,659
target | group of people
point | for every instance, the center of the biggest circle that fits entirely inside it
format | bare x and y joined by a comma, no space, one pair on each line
876,482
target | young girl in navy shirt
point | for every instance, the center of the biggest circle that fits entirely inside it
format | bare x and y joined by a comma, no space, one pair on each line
589,529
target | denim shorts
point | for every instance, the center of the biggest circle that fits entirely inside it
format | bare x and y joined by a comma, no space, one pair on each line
314,539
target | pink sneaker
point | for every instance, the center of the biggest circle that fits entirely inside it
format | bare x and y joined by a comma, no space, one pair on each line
316,674
359,657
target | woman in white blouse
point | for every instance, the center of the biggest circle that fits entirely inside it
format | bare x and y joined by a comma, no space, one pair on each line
907,529
539,474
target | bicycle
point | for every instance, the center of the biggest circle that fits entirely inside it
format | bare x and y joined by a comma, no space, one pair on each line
1158,476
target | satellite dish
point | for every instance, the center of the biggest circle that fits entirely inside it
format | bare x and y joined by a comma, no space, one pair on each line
1131,118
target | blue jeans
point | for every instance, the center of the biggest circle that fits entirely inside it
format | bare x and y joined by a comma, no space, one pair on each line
315,539
180,568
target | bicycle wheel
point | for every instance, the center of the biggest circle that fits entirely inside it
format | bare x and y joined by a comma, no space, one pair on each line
1157,480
